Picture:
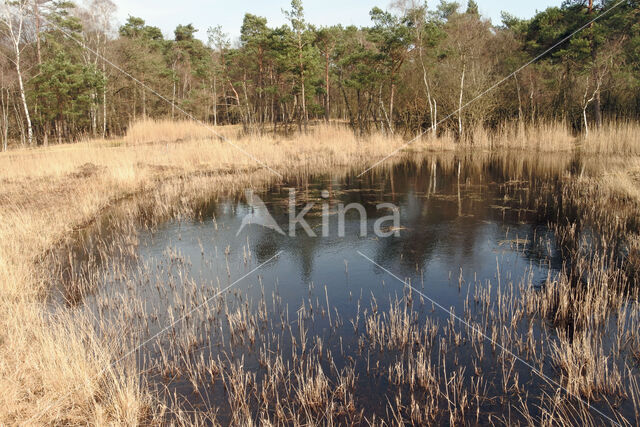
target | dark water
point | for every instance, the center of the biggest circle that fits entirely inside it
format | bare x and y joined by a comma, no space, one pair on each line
466,226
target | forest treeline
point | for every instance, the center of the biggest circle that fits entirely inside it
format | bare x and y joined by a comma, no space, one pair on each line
411,69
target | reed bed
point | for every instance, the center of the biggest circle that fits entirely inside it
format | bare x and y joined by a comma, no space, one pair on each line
271,369
613,138
564,327
57,366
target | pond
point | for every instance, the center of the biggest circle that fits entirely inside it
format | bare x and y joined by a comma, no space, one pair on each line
420,318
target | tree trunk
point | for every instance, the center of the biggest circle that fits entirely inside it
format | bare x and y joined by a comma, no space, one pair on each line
24,97
104,89
134,106
585,105
586,123
597,109
596,101
237,98
433,109
215,100
104,107
250,119
460,130
392,98
94,114
36,14
173,92
5,118
304,103
305,118
45,137
16,37
384,111
435,118
327,103
348,107
23,139
519,99
532,103
261,114
173,100
144,102
59,131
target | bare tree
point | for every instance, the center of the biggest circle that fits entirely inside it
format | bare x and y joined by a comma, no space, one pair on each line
469,56
38,6
586,102
416,14
97,17
299,26
218,42
14,21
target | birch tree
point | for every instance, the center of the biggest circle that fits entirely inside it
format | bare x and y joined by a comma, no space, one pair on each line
218,43
97,17
14,17
299,27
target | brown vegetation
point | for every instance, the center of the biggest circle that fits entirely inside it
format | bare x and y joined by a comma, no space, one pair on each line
56,368
48,193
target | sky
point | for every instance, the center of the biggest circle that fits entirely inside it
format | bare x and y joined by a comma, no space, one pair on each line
203,14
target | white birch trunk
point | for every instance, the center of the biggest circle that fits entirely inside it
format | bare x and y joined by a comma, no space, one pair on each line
464,69
16,37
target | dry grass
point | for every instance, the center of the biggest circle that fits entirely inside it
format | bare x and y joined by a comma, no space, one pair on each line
585,369
620,138
47,193
164,131
613,138
55,370
544,137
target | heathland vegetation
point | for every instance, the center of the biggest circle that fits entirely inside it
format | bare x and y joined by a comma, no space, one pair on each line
409,71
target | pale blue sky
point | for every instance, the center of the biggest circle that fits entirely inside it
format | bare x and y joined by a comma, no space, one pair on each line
203,14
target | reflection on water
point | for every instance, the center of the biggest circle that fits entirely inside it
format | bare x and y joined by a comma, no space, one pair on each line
468,226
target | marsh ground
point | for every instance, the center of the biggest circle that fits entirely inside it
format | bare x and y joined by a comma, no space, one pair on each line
61,365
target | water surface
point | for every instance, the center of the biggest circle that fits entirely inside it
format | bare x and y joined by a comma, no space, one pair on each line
468,228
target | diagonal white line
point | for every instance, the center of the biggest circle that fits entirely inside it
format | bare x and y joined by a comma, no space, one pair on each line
193,310
158,334
486,337
497,84
162,97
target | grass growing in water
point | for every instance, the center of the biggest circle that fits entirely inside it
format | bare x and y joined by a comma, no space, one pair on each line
57,369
